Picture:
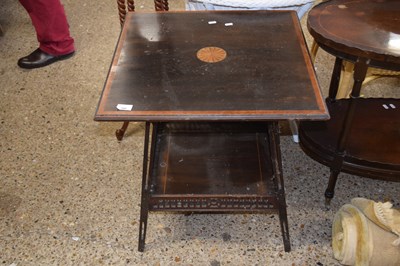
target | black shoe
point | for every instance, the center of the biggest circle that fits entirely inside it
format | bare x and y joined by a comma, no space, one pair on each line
38,58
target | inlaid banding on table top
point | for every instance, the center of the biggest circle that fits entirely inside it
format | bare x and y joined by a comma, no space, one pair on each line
211,54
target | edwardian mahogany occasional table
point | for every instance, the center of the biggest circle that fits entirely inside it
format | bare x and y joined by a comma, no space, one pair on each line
363,135
211,87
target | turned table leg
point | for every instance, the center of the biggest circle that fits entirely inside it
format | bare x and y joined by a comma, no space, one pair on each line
360,71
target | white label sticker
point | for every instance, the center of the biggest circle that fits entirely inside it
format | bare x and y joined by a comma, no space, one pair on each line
124,107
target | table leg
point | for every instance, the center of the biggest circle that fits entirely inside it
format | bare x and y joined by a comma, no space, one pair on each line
131,5
161,5
144,206
273,132
360,71
121,11
335,80
119,133
346,80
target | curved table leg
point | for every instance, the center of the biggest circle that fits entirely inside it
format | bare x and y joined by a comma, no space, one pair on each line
119,133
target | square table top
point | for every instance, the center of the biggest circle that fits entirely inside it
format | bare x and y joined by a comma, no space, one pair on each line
211,65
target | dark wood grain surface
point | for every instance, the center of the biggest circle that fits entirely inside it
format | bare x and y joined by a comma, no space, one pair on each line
362,136
359,28
266,74
373,147
213,158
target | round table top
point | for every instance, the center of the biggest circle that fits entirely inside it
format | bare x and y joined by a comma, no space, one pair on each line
358,28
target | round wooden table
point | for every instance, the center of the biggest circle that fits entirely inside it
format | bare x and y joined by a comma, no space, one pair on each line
363,135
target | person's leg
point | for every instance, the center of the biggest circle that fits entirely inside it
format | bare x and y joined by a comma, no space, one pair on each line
50,22
52,30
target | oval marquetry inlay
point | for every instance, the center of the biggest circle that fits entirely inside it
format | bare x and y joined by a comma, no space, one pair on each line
211,54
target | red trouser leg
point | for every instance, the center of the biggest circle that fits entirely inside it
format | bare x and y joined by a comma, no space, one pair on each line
50,22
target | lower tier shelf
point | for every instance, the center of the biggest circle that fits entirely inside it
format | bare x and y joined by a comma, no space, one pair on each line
373,146
202,166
